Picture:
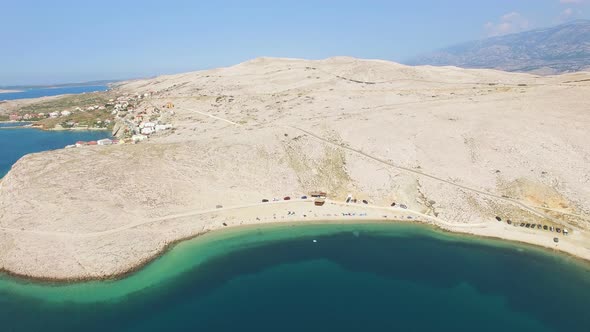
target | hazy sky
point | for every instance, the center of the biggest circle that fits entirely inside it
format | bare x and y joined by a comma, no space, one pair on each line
65,41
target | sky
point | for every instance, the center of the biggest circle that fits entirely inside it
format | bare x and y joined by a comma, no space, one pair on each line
59,41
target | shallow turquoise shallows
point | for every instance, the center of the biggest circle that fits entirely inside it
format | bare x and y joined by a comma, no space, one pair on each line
15,143
329,277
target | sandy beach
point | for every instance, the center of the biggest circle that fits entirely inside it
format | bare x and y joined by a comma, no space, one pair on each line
10,91
190,224
449,144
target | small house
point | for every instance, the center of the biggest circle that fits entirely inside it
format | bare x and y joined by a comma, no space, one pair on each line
316,194
147,130
161,127
15,117
138,138
105,141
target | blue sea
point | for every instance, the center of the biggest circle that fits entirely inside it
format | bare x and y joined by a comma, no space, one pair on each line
15,143
309,277
45,92
369,277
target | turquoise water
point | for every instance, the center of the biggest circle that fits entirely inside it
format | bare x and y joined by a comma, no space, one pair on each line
45,92
15,143
369,277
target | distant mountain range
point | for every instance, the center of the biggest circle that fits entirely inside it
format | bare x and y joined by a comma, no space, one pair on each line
563,48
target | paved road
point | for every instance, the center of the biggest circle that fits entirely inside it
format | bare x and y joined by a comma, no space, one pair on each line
236,207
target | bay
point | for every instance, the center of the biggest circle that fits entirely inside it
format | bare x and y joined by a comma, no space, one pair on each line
15,143
320,277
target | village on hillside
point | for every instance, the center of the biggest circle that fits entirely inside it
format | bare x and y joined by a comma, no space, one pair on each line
132,118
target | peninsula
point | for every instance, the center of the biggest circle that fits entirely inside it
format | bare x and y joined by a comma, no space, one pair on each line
474,151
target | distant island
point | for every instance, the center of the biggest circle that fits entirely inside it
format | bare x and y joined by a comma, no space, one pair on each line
18,88
273,140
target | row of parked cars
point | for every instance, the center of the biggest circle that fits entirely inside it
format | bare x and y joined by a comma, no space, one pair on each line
538,226
286,198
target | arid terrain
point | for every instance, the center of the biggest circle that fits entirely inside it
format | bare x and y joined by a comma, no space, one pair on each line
458,147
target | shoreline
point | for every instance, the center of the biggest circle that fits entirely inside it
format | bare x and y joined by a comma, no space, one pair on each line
10,91
74,129
32,125
273,128
464,231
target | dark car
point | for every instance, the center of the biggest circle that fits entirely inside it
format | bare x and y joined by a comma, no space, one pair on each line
265,200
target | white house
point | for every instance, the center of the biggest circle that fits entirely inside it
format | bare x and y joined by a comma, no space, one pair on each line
138,138
53,114
147,130
105,141
66,113
161,127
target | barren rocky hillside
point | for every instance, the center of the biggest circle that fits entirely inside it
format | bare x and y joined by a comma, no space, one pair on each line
460,145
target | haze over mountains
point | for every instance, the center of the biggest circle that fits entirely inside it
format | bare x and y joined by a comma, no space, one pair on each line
559,49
